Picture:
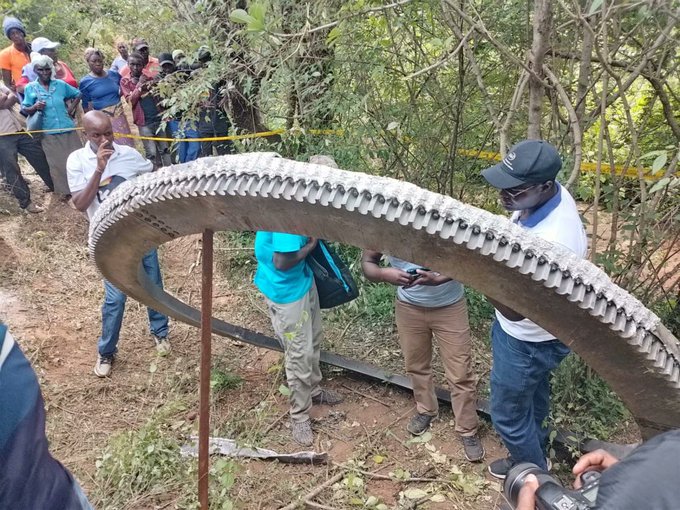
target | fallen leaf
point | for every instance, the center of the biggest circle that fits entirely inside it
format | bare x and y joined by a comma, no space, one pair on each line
415,493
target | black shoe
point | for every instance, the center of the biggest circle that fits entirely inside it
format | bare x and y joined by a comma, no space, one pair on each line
420,423
474,451
500,468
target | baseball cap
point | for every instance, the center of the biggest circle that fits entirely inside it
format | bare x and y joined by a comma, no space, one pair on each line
165,58
177,53
141,44
528,162
43,43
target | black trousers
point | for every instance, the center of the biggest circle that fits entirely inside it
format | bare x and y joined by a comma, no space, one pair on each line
30,148
214,123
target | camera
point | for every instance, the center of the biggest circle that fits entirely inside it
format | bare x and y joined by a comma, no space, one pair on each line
551,495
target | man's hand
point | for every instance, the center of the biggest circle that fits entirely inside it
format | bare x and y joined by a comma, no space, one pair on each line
395,276
527,494
104,153
599,460
72,108
38,106
431,278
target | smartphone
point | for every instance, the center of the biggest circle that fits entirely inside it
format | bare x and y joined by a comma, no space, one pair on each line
414,272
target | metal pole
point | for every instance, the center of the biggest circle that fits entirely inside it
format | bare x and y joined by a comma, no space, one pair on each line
204,388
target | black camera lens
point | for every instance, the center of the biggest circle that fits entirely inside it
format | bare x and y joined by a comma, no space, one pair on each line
516,477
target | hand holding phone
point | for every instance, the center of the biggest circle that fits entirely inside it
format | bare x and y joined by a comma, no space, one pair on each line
104,153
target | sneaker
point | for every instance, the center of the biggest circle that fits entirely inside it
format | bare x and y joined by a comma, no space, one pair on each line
33,208
499,468
302,432
474,451
420,423
162,345
328,397
103,366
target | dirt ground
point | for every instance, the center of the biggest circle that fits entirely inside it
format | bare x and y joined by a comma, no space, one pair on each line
50,297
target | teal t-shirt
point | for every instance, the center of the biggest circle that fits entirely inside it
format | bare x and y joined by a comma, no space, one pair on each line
281,287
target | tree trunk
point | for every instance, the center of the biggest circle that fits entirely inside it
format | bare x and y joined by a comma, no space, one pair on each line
539,46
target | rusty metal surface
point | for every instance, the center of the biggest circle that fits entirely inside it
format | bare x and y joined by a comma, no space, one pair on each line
204,376
617,336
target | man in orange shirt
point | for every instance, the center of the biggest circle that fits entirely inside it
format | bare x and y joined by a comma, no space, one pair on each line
151,65
14,57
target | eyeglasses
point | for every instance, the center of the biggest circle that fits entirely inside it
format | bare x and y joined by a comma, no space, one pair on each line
517,193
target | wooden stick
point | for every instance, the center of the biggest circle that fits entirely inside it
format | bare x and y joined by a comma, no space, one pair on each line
315,492
365,395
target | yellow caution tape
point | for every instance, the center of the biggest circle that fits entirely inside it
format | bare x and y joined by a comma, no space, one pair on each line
208,139
61,130
261,134
586,166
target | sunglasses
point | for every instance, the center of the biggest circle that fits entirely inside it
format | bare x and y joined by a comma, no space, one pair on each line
517,192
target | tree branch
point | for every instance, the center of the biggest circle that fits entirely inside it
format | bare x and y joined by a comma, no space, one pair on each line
577,134
345,18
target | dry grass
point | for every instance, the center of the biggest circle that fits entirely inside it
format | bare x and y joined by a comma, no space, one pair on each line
52,294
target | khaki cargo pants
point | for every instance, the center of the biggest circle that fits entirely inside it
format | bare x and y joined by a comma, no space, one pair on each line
417,326
298,328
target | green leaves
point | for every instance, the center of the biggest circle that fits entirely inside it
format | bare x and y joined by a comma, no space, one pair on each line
660,162
253,19
662,183
424,438
594,7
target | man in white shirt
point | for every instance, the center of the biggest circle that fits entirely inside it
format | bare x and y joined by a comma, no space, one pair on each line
93,172
524,354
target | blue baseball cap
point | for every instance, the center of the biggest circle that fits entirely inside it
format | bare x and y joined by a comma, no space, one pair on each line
528,162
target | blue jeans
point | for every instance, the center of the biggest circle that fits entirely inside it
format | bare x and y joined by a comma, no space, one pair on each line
187,151
114,308
520,393
84,504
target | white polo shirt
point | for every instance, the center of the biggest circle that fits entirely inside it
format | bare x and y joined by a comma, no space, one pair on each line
556,221
125,163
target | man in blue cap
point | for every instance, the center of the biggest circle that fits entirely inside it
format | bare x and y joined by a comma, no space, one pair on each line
524,354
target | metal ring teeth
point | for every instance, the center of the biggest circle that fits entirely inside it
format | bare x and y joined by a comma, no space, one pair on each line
249,180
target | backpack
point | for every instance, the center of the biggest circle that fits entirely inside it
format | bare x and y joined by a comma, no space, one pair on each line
334,282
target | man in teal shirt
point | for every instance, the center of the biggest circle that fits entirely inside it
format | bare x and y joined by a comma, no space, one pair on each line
285,279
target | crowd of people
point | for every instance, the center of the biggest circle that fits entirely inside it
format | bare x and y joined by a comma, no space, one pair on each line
42,105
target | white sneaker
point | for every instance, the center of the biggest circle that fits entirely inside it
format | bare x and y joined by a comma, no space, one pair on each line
162,346
33,208
103,366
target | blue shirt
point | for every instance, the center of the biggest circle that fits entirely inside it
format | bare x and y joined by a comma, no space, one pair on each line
118,64
281,287
100,92
55,114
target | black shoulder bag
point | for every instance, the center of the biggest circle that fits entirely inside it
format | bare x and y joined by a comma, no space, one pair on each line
334,282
